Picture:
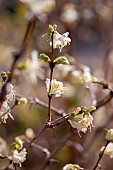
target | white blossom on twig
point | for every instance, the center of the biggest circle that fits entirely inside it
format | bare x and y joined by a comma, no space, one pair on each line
60,41
108,150
56,89
18,157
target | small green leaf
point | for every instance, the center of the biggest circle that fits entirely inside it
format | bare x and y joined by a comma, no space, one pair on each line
21,66
45,58
61,60
88,109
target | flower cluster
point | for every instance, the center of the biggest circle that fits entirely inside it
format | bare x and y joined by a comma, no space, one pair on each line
86,77
60,41
18,155
82,119
72,167
56,88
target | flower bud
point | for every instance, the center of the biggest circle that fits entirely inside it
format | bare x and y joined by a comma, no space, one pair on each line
109,135
23,101
29,133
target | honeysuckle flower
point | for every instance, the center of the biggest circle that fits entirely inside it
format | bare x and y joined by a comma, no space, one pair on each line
109,135
18,157
57,87
72,167
10,92
108,150
60,41
69,14
3,147
86,76
39,6
33,68
4,109
81,121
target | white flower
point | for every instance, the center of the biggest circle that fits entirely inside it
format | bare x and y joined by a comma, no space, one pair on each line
3,147
108,150
18,157
9,87
109,135
69,14
39,6
82,122
10,92
60,41
33,68
57,87
4,109
72,167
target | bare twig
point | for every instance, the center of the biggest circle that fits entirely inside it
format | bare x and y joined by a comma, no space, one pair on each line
51,77
37,135
100,156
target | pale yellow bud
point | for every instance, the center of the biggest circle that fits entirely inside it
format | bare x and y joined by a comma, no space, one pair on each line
29,133
94,80
23,101
78,110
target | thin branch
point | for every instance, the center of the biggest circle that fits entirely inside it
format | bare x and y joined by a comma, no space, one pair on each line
51,65
37,135
44,150
100,156
41,103
105,100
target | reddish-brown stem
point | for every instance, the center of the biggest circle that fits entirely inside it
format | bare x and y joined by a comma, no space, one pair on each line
51,77
49,109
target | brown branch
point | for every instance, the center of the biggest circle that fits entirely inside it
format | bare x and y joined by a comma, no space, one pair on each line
37,135
37,101
100,156
105,100
51,65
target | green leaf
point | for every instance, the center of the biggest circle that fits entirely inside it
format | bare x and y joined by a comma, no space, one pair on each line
21,66
61,60
45,58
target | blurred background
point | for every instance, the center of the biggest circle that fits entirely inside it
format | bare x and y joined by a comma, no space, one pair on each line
90,27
